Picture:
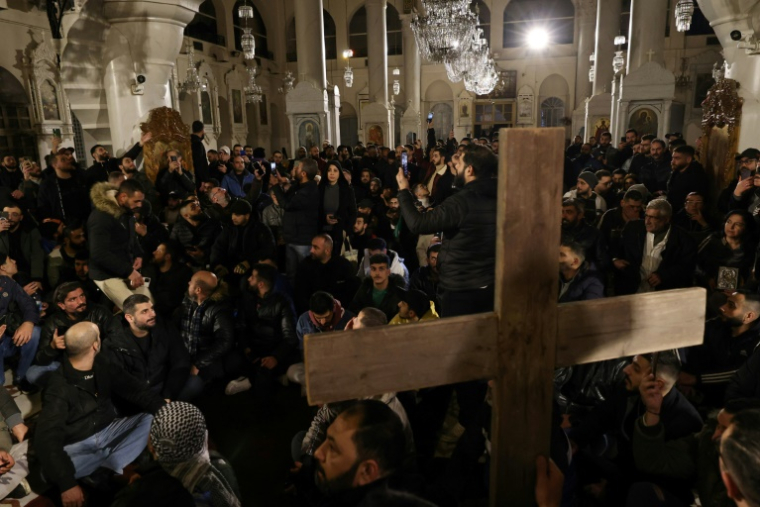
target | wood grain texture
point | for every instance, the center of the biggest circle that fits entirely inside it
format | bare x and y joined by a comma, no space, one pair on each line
345,365
529,196
628,325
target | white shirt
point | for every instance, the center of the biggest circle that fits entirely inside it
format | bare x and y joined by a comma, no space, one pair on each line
651,260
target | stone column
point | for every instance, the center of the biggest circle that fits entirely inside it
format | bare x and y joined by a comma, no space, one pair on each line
586,12
145,38
607,28
410,122
377,112
310,46
646,34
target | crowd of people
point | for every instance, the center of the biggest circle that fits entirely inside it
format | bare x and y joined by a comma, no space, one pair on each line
207,280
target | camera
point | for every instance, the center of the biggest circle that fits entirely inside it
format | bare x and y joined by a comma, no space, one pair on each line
141,78
736,35
138,85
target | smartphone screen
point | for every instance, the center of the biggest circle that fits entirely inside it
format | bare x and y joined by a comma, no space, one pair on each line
174,159
430,116
273,165
404,162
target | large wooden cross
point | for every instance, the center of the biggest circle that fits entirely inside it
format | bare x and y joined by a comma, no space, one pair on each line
524,339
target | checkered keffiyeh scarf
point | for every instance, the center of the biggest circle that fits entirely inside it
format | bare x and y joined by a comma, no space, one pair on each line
191,324
180,442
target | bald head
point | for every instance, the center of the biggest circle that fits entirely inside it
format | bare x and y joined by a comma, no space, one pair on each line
202,285
80,338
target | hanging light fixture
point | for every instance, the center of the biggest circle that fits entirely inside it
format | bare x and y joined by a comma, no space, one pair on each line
445,31
618,62
619,40
247,40
396,84
253,92
192,81
684,14
348,75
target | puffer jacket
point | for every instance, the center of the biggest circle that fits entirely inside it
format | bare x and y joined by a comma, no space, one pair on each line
301,220
268,325
167,363
586,285
217,333
237,244
467,259
111,236
98,315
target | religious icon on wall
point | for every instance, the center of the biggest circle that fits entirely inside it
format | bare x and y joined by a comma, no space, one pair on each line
644,121
728,278
602,126
237,106
206,116
263,120
308,134
49,101
375,135
464,110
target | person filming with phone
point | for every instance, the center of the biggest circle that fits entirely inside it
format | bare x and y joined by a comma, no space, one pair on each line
174,177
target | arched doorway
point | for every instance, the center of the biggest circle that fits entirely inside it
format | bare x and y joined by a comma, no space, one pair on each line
16,133
443,120
349,125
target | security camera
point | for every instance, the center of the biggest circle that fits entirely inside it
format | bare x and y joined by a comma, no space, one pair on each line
736,35
138,85
141,78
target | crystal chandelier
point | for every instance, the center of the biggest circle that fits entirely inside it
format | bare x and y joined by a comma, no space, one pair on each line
192,82
348,75
684,13
288,81
253,93
446,30
618,62
247,40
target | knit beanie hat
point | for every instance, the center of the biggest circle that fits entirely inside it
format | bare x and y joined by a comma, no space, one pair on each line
589,178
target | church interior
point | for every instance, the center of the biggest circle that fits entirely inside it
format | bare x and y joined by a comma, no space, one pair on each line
220,218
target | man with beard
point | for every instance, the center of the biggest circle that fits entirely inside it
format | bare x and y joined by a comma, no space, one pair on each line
426,278
236,180
195,231
575,227
578,279
21,242
103,164
115,252
361,235
363,452
323,271
242,245
604,151
150,349
614,220
81,274
381,289
128,167
654,254
11,178
361,185
369,160
71,307
219,168
325,314
314,155
616,418
439,179
729,341
688,176
583,162
641,158
63,195
656,173
200,163
61,260
166,273
266,336
593,204
31,185
344,157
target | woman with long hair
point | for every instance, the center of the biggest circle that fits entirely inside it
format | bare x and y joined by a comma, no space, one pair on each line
337,205
732,247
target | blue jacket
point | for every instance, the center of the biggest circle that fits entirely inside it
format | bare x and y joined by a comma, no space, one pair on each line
305,326
11,291
586,285
232,185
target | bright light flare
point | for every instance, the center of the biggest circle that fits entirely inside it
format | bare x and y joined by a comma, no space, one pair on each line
537,38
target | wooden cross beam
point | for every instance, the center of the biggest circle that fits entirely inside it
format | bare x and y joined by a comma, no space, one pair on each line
524,339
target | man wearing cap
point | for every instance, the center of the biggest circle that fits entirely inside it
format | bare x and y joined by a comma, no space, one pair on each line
244,244
594,204
235,181
413,307
219,169
200,164
103,164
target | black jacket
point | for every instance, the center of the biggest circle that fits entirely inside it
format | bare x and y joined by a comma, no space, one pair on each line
301,220
200,162
468,222
63,199
111,236
98,172
716,361
591,240
676,270
71,414
237,244
217,333
202,236
346,214
268,325
745,383
166,365
586,285
425,280
656,174
389,304
691,179
337,277
166,287
172,181
98,315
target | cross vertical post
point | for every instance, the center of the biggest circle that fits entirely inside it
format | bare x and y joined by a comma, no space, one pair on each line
528,231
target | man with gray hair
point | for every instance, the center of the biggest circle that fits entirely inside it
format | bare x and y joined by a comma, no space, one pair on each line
653,253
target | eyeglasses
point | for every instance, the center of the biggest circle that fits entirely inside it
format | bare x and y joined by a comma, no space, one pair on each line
693,202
